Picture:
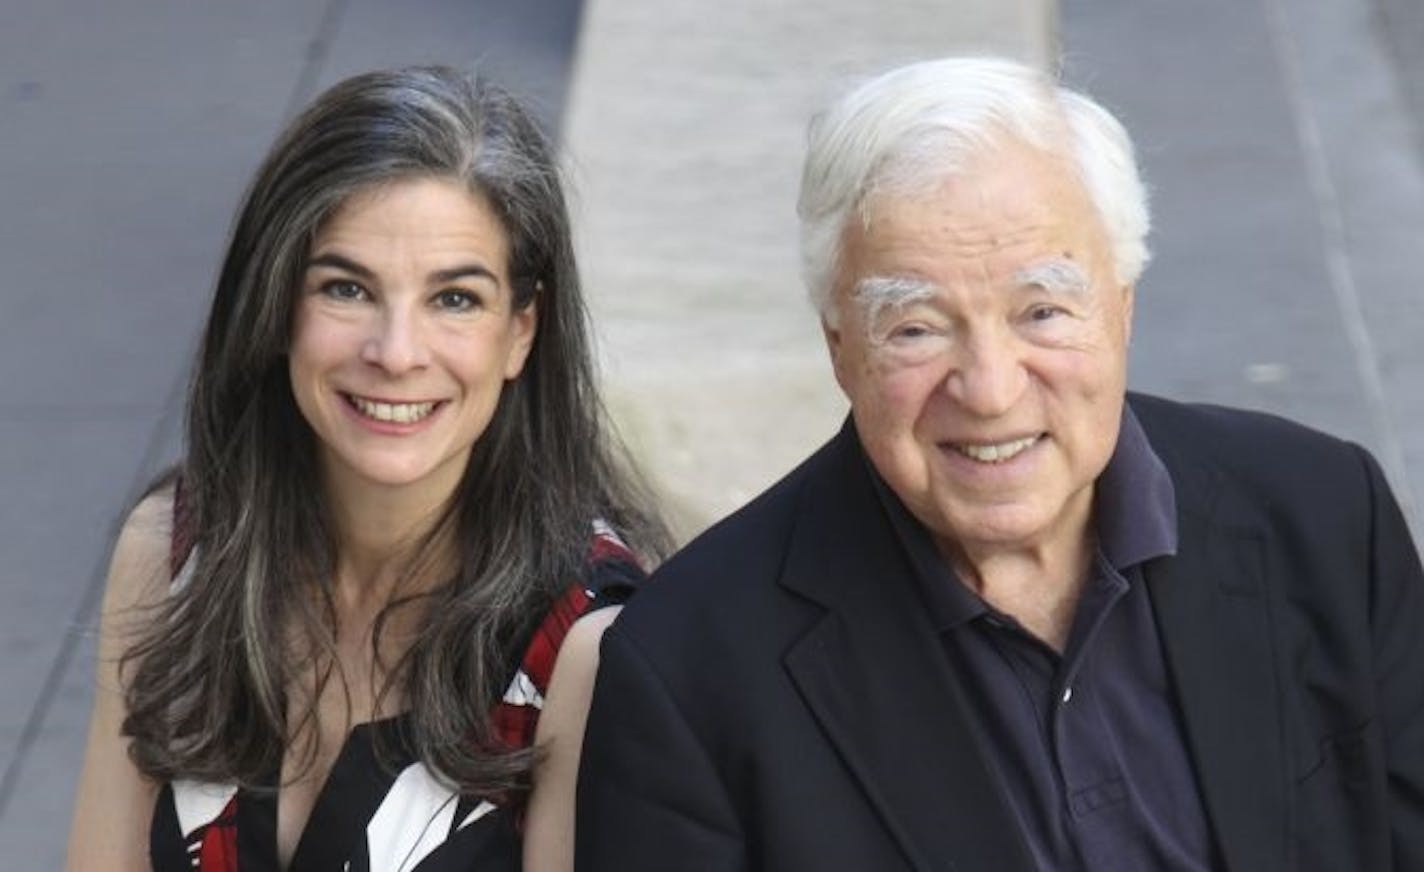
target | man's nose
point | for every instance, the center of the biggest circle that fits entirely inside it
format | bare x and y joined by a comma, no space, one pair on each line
396,343
988,377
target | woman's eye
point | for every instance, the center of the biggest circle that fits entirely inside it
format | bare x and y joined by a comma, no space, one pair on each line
343,290
457,301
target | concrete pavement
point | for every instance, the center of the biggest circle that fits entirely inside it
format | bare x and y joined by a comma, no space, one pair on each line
1281,139
686,132
1280,144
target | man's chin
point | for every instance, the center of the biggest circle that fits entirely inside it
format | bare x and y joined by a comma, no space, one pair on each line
993,527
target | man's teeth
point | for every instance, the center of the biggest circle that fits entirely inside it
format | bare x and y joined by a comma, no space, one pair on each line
996,453
399,413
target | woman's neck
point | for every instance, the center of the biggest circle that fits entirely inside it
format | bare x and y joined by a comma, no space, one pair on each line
378,532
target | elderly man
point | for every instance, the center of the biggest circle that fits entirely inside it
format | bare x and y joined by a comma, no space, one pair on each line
1013,617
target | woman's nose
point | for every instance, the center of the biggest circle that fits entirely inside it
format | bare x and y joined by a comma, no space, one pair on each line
396,343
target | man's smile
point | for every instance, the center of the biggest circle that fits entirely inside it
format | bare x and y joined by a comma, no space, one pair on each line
995,452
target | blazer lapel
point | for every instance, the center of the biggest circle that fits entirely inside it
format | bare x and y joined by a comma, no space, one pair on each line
1212,609
873,673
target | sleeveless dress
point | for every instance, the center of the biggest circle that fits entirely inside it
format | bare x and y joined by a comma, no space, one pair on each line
388,814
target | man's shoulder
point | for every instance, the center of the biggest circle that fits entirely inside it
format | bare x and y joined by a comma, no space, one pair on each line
1260,451
733,566
1209,427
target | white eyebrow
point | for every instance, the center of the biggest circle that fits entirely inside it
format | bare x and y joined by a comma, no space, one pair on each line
1057,276
877,293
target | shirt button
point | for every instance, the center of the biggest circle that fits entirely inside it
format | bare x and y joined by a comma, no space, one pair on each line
1067,694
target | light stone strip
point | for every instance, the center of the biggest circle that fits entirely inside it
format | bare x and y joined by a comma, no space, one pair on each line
685,128
1366,175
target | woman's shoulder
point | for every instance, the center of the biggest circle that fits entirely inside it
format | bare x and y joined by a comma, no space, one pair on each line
612,572
140,569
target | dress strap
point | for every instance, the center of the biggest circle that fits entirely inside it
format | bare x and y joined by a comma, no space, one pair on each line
611,574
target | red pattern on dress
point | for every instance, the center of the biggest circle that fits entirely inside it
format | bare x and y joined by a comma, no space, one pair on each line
515,723
217,842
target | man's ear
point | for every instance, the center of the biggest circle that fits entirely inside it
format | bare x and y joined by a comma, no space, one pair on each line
1129,295
836,348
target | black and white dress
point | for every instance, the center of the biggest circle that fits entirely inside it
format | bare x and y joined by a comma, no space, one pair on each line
387,813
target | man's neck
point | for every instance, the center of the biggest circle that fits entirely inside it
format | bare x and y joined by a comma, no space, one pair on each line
1038,584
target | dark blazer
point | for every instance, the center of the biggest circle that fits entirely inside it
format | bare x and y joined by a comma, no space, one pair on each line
775,697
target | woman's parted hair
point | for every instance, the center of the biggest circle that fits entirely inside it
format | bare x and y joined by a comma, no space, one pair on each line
920,122
208,695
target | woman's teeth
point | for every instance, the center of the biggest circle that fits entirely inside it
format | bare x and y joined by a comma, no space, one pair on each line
397,413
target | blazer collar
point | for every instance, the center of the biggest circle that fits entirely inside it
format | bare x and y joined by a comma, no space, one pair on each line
1213,611
875,678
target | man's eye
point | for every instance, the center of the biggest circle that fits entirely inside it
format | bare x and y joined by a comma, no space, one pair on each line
343,290
909,332
1044,312
457,301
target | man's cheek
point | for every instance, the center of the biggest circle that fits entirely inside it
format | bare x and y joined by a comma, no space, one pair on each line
903,396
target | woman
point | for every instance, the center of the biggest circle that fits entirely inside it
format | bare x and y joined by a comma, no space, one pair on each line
328,636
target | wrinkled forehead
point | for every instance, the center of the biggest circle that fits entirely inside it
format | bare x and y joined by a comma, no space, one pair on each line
1016,217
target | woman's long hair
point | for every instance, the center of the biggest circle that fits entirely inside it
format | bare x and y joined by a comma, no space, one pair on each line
209,695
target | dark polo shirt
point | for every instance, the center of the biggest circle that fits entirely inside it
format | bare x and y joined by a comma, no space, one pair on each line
1087,745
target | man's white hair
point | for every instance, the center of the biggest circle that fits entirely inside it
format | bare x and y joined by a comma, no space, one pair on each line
920,123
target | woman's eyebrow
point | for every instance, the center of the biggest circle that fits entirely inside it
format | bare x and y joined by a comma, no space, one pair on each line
475,270
332,260
341,262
